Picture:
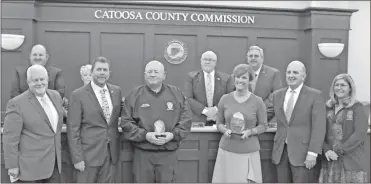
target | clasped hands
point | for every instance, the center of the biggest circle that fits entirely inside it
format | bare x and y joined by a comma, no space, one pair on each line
211,113
245,133
331,155
151,137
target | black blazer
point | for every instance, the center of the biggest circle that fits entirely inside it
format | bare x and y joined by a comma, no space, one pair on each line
196,94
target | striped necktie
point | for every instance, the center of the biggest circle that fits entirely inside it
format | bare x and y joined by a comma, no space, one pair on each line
290,106
105,105
209,90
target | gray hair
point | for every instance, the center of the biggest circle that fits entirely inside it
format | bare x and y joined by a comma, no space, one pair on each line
34,68
254,47
85,68
209,52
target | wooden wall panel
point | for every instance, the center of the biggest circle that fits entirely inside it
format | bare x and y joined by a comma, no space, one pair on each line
188,171
68,51
231,50
176,73
329,69
126,53
11,59
279,52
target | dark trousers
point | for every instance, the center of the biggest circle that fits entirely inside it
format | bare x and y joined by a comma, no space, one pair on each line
288,173
54,178
154,166
100,174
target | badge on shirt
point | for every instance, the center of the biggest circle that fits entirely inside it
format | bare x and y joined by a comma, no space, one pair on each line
350,115
170,106
144,105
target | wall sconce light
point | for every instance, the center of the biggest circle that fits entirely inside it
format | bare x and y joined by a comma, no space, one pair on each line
11,41
331,50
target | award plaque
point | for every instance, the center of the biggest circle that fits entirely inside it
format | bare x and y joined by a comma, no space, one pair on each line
159,128
237,123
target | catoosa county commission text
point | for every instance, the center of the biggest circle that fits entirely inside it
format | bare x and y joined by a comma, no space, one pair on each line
173,16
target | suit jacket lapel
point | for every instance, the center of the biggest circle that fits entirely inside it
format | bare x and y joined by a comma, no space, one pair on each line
217,88
113,102
281,102
301,99
260,79
33,100
94,99
201,83
58,108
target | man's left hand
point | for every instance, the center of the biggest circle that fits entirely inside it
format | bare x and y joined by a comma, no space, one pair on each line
310,161
168,137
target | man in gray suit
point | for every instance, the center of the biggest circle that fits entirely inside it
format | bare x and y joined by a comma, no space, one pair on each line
301,127
32,131
92,126
267,79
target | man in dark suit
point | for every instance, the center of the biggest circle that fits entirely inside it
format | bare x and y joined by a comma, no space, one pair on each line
267,79
204,88
301,126
92,126
39,56
32,131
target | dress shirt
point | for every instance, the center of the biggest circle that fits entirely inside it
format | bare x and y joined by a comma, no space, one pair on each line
212,79
296,95
257,72
54,112
96,90
212,84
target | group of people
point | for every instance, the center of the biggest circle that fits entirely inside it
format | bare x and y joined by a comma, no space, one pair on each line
155,117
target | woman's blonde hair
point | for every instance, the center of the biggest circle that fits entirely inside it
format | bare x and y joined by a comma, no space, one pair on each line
352,92
85,68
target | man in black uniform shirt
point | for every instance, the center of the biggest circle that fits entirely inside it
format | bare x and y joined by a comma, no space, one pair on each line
156,117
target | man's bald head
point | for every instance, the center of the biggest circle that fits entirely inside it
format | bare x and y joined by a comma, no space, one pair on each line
209,54
154,75
208,61
295,74
298,64
38,55
37,79
155,64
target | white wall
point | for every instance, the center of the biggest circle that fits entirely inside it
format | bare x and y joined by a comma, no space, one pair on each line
359,49
359,35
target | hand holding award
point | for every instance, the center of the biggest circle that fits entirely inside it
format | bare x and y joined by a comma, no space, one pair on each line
237,124
159,128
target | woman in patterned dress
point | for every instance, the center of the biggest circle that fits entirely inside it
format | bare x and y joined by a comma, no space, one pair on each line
344,152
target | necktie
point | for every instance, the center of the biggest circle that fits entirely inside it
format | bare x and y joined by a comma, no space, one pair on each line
49,113
290,106
209,91
253,83
105,106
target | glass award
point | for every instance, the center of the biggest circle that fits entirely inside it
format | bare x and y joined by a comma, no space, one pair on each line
237,124
159,128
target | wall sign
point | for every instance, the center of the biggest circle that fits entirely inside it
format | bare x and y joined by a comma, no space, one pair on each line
174,16
175,52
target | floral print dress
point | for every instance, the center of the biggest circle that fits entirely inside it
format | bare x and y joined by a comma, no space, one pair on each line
333,171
